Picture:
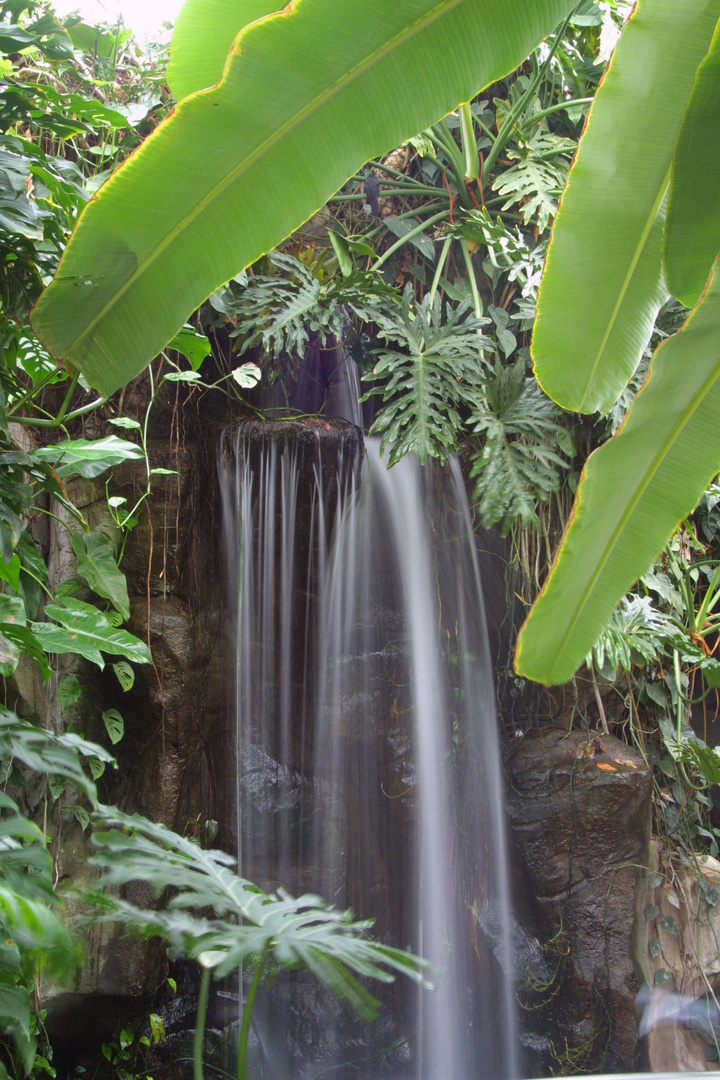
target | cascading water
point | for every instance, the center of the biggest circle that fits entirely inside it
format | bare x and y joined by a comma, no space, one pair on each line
368,753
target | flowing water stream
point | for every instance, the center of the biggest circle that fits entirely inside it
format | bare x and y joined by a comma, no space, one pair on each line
367,752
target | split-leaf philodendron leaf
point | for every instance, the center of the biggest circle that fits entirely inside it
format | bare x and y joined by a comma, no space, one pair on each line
307,96
634,491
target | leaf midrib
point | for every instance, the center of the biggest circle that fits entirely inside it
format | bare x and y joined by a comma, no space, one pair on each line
443,8
637,254
677,430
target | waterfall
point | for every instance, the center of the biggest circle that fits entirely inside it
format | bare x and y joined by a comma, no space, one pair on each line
368,757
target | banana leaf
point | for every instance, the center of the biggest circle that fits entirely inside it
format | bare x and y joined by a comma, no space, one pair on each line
307,96
692,235
633,493
603,283
202,36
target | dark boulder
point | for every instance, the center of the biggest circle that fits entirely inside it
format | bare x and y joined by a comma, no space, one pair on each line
580,817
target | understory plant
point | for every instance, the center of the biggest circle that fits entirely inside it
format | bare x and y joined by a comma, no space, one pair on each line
248,929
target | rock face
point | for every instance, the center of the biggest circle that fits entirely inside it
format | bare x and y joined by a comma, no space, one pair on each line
580,816
178,729
579,810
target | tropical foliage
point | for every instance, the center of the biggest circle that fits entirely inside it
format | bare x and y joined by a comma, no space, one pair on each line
426,264
639,486
249,927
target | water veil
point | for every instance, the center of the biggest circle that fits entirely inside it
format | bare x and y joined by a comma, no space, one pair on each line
367,752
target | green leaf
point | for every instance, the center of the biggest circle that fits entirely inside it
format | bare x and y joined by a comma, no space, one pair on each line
668,924
97,767
125,674
57,786
401,228
692,235
202,36
114,724
635,490
655,946
342,250
247,375
48,753
605,250
32,563
195,347
81,628
10,572
96,564
13,635
183,376
82,815
125,422
80,457
522,460
651,912
662,976
427,369
157,1028
69,692
132,248
12,613
245,922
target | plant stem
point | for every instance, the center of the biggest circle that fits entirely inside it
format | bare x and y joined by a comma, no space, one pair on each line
247,1014
477,302
515,113
31,393
559,107
440,267
31,421
200,1025
406,189
442,138
470,151
408,236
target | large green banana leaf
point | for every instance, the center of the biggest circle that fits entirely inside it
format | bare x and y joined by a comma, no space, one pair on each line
634,491
692,235
603,282
306,97
202,36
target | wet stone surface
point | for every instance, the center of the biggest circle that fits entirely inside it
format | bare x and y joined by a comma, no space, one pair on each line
580,817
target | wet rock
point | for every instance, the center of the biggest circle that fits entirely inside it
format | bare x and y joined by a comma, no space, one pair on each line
580,816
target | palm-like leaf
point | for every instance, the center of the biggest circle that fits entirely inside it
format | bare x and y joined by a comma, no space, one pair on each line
248,923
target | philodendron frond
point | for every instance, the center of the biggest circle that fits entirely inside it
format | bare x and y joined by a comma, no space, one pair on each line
430,367
525,448
284,311
248,924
